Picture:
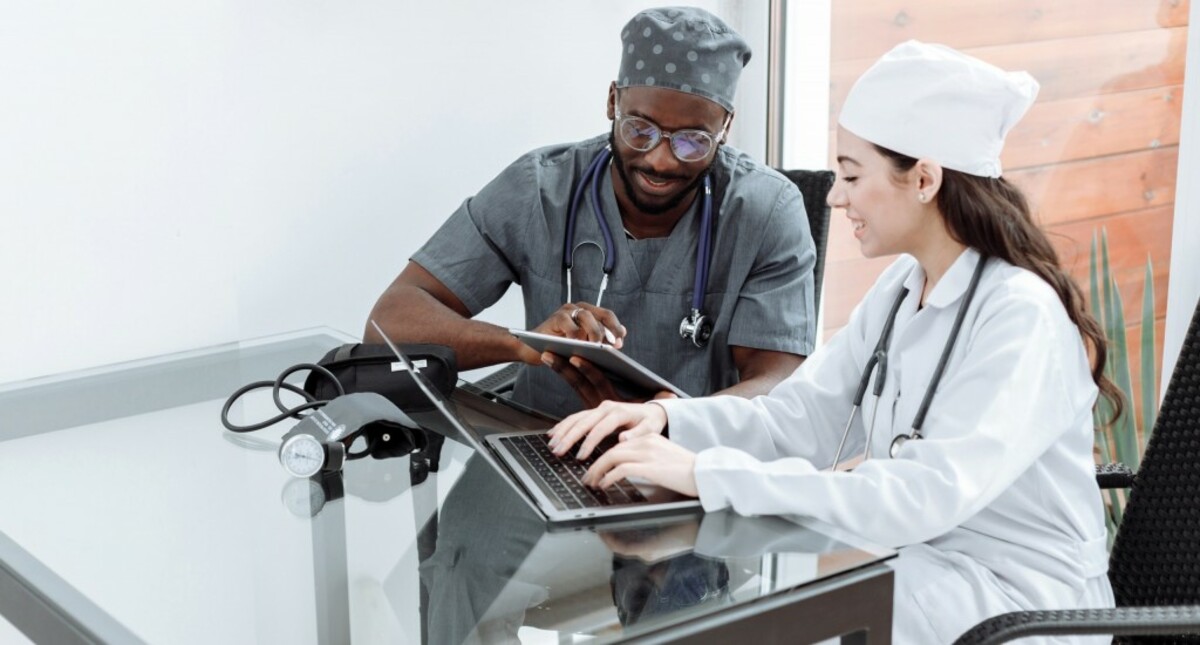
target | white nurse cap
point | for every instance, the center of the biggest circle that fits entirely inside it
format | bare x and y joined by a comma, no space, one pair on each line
930,101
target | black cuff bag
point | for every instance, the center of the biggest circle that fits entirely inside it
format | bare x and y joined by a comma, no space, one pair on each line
366,367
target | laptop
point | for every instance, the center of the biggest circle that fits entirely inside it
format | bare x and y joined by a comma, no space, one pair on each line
548,483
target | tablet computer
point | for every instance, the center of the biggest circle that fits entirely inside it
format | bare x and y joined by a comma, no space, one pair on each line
617,365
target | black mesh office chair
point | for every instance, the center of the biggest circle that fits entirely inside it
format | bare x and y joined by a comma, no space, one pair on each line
814,186
1154,566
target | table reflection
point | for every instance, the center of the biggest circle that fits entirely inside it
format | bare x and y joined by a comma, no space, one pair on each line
491,567
434,547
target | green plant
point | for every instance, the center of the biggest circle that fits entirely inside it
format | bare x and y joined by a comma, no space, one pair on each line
1124,438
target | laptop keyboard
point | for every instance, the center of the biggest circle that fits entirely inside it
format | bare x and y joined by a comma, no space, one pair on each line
563,475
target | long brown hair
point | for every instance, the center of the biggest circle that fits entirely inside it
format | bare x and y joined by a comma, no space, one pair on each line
993,217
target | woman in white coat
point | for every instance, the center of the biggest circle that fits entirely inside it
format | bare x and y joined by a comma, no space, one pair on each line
993,505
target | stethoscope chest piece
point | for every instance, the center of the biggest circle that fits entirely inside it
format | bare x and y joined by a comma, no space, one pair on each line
899,441
696,327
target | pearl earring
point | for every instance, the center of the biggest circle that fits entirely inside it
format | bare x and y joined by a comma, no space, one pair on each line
921,196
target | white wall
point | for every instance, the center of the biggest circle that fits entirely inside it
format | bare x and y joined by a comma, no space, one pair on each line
175,175
1183,288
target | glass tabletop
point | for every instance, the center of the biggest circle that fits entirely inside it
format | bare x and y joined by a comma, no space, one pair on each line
131,513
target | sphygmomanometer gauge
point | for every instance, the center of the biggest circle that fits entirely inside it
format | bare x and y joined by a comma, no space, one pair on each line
303,455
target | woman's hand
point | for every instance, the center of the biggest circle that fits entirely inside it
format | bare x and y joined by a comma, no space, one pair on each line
591,426
651,457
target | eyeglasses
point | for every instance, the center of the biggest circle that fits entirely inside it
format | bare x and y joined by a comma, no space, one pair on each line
687,145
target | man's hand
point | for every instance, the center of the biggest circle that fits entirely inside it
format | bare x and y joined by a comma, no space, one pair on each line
585,322
591,384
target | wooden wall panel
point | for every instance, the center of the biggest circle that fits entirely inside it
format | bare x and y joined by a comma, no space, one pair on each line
854,279
875,26
1094,126
1133,238
1070,192
1080,190
1054,132
1069,67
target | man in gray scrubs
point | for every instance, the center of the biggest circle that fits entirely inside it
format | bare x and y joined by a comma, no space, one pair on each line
671,108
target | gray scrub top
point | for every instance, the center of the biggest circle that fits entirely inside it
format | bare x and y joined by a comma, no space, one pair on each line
760,286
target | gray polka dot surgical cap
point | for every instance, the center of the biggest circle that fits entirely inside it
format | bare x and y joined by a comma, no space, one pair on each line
685,49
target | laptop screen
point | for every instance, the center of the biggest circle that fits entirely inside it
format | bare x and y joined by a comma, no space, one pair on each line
445,421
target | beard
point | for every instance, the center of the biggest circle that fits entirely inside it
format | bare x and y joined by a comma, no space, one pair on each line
653,208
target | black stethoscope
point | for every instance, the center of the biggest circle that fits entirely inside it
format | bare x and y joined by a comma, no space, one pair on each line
695,327
879,359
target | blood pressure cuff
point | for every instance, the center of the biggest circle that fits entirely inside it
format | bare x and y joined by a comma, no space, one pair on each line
368,414
363,367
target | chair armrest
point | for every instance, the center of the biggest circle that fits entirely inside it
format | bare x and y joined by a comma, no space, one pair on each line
1114,475
1122,621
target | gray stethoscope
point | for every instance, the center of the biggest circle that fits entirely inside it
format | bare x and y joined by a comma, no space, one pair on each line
695,327
879,359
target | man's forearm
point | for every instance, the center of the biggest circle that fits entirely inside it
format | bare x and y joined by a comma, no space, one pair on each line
409,314
761,370
752,387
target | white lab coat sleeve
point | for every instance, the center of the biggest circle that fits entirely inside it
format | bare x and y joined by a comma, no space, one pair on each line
1014,391
797,417
791,420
